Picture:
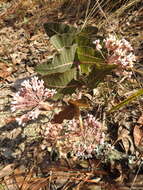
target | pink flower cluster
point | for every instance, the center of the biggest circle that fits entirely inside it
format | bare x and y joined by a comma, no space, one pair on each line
51,133
80,141
86,140
30,98
120,52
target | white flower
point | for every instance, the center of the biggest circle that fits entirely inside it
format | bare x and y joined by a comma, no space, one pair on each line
98,45
120,52
30,98
70,137
84,141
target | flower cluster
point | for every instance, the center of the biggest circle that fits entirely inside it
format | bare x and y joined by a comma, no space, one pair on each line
80,141
119,52
51,133
84,141
30,98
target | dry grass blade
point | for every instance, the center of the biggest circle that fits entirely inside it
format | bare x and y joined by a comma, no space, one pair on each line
23,181
133,183
125,7
10,183
119,11
39,184
90,13
127,100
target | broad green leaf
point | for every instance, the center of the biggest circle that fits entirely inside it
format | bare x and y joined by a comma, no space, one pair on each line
61,62
98,74
43,67
53,28
62,40
128,100
87,55
85,68
60,80
82,40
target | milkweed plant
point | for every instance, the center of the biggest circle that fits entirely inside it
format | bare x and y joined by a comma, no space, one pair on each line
78,62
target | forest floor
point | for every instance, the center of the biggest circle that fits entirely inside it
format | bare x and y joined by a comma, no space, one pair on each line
23,45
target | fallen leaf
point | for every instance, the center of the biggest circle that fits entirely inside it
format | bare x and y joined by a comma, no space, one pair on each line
140,121
5,71
30,69
72,110
69,112
81,103
138,134
18,57
123,135
10,120
10,183
7,170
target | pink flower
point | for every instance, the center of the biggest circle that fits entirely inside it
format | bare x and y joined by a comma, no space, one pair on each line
51,132
97,43
111,43
84,142
70,137
30,98
120,52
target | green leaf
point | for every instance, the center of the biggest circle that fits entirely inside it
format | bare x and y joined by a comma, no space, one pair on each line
82,40
127,101
98,74
60,80
62,40
53,28
85,68
43,67
69,89
88,55
61,62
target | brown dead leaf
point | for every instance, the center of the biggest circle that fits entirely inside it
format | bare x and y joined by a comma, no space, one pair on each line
10,183
140,121
81,103
27,181
124,136
5,71
6,171
70,111
29,69
10,120
138,134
